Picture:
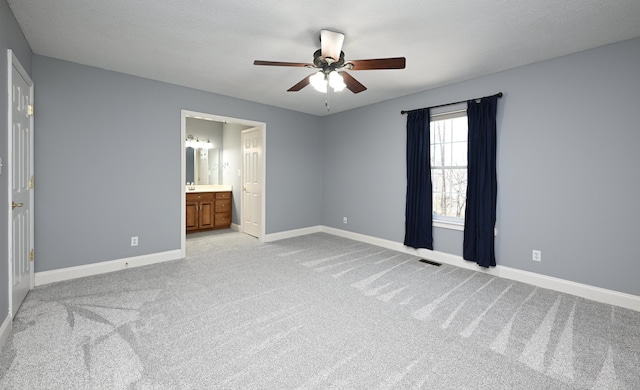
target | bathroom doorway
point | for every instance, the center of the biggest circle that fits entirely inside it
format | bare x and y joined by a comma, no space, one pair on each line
223,167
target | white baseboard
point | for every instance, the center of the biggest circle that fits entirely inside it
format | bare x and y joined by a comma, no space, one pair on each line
566,286
58,275
5,329
586,291
291,233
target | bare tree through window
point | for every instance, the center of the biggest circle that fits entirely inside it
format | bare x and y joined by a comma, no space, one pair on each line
449,165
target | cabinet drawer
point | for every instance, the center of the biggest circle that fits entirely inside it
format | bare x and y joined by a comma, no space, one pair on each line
223,219
199,196
223,206
223,195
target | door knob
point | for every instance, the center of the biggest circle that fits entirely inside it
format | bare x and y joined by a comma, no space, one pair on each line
14,205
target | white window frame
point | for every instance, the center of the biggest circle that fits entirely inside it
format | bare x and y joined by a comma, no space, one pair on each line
441,221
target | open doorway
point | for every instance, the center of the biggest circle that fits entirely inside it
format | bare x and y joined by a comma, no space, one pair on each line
225,169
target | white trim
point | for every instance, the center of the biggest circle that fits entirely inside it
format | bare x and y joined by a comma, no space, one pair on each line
586,291
58,275
448,225
9,178
5,329
183,180
292,233
454,226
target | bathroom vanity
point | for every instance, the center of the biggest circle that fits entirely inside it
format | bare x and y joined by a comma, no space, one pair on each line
208,207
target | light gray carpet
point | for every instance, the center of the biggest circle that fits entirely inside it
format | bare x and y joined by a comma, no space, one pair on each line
314,312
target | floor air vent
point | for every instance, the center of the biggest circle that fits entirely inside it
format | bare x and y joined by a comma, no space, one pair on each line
430,262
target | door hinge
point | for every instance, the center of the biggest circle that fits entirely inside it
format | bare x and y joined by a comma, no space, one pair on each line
30,110
31,182
31,255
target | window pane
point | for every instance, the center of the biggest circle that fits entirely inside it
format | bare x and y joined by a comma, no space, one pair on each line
455,205
446,126
456,180
432,151
439,132
438,155
449,204
438,204
459,154
437,179
449,166
460,129
447,154
462,203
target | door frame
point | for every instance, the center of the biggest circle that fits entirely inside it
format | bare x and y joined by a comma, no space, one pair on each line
184,114
12,61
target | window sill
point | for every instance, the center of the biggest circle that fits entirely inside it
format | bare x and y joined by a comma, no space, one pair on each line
449,225
455,226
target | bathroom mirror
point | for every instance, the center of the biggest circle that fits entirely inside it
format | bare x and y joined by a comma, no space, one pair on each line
203,166
203,150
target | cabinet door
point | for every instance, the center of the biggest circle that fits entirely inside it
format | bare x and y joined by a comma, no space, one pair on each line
192,215
206,214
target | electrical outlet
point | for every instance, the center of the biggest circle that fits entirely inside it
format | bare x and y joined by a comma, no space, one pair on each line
344,219
134,241
536,255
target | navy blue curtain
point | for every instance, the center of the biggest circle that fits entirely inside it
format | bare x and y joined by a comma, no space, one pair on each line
418,214
482,183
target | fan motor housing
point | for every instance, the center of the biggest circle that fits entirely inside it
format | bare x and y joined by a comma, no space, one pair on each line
327,64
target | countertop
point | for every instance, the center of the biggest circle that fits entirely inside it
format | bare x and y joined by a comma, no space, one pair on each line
209,188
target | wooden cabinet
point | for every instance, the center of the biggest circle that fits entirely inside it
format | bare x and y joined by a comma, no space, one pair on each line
222,210
208,210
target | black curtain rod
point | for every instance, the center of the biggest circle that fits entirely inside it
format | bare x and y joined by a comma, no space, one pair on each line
499,95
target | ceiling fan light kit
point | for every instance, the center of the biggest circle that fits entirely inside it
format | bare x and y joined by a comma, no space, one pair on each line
320,80
331,65
336,81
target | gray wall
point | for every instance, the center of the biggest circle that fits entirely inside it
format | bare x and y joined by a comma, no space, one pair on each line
568,184
11,37
97,187
205,130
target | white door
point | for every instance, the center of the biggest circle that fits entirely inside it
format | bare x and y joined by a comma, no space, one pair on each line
252,181
21,171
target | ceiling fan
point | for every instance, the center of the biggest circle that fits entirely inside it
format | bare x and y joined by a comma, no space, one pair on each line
332,65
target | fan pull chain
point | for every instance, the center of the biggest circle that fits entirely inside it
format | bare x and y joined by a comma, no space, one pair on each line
326,101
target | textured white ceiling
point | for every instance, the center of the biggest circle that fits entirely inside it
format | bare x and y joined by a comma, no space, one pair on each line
211,44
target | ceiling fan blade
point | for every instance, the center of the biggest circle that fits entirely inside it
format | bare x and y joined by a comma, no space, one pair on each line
379,63
303,83
354,85
278,63
331,44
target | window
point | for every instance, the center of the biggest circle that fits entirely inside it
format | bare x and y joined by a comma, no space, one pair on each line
448,134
